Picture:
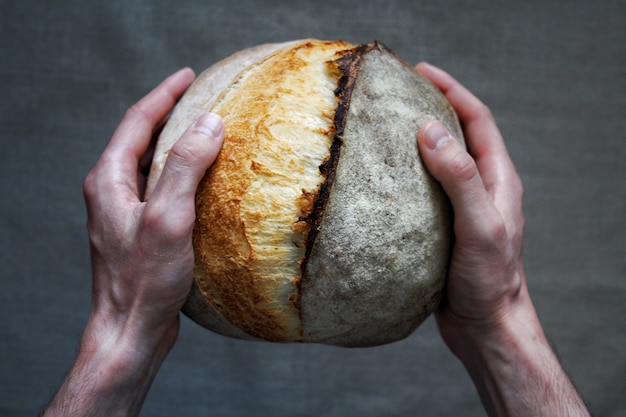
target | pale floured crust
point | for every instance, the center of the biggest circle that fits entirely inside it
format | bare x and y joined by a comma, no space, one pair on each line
378,265
201,97
250,233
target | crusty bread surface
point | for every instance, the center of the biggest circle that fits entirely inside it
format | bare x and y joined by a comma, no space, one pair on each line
318,222
250,237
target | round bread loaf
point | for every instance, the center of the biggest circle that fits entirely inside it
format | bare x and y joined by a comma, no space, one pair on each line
318,221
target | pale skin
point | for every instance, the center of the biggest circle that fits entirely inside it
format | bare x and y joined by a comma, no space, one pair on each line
488,320
142,262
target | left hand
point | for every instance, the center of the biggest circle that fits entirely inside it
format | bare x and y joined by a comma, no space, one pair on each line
142,257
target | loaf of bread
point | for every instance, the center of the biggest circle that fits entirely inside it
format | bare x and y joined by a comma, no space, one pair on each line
318,221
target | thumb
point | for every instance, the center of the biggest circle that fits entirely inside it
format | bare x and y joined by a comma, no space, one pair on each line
186,164
450,163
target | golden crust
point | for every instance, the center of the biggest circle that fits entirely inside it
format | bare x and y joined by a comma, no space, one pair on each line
201,96
250,236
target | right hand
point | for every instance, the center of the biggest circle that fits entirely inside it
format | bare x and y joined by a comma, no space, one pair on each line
487,318
486,278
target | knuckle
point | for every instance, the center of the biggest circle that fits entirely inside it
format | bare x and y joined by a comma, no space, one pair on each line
185,151
95,185
497,233
152,221
136,111
89,185
484,112
168,227
462,166
491,235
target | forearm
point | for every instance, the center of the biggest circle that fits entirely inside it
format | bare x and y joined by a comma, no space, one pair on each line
112,372
515,370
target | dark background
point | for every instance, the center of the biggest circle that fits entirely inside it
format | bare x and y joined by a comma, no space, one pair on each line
553,73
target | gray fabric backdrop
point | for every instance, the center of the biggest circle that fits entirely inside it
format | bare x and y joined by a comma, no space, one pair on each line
553,73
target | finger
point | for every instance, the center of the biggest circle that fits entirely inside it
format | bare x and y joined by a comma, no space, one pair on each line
484,141
145,116
448,161
476,118
145,162
122,158
172,203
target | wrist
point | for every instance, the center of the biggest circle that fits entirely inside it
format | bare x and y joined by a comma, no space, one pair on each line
512,364
128,335
515,323
115,366
123,351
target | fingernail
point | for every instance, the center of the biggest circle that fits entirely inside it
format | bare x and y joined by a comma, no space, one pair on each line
424,65
436,135
209,124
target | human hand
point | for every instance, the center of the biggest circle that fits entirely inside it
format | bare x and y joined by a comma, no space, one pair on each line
141,252
486,277
141,255
487,318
